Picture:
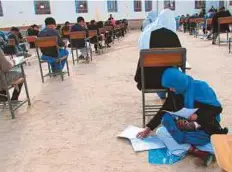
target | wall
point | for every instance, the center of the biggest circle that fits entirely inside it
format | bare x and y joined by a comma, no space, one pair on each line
20,13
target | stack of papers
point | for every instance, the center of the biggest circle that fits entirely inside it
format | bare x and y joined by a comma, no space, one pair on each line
183,113
149,143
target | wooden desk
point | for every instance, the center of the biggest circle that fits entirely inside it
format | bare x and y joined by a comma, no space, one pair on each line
223,151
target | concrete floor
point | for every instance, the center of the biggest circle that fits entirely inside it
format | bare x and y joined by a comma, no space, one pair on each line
72,125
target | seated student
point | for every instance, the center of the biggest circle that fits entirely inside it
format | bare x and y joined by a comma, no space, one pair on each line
20,46
50,54
107,36
3,40
223,28
159,34
192,25
206,27
65,28
185,136
151,17
93,26
186,23
33,31
5,66
124,21
58,28
80,43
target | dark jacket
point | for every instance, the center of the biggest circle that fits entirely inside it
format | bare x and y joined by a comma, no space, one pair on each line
223,27
161,38
206,114
80,43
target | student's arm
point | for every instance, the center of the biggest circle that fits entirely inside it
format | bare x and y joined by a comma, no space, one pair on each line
168,105
5,65
206,117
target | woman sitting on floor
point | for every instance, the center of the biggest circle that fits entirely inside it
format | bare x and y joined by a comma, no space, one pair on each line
159,34
182,136
5,67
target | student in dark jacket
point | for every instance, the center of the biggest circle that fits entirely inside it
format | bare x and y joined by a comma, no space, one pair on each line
66,28
224,27
80,43
160,35
33,31
94,40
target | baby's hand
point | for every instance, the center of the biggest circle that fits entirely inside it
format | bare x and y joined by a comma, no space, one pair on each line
193,117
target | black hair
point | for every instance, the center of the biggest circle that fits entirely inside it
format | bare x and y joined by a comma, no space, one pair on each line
80,19
50,21
66,23
14,29
92,22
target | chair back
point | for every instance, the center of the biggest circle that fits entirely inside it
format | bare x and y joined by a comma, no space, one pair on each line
77,35
199,20
11,42
209,22
48,46
31,39
162,57
225,20
92,33
102,30
109,28
66,33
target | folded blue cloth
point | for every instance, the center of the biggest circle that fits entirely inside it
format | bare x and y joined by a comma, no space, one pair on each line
163,156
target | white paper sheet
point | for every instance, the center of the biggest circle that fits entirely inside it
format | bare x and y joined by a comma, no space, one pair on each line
18,60
149,143
130,132
184,112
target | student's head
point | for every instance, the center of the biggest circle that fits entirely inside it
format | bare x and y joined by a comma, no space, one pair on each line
50,22
14,30
222,9
35,27
67,23
175,80
81,21
92,22
58,27
111,16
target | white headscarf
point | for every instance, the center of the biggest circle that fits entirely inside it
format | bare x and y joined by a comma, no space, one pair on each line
151,17
166,19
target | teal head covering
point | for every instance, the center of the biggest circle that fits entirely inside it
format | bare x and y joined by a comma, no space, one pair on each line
192,90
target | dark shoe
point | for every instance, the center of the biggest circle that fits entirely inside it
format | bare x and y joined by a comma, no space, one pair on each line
3,98
210,159
108,46
213,43
81,57
26,55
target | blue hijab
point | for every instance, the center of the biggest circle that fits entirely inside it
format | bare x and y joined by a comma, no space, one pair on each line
192,90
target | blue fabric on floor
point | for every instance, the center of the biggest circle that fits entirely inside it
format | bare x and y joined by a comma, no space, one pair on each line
52,61
163,156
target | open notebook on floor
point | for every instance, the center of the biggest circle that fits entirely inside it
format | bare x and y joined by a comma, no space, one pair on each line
149,143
